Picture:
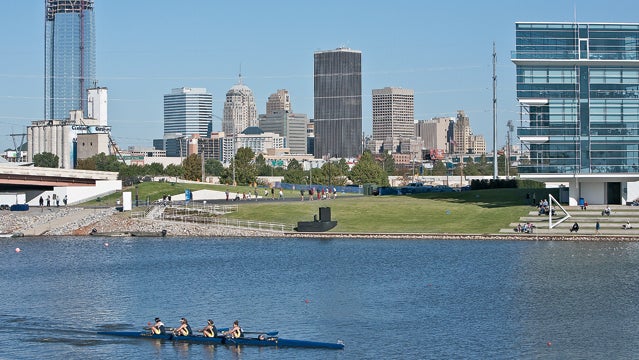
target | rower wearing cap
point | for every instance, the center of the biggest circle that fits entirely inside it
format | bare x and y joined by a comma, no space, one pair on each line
158,328
184,329
236,331
210,330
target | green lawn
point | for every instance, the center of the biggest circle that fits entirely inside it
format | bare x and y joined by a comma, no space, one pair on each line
482,211
478,212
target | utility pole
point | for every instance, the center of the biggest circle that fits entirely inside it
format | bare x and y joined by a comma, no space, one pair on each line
494,113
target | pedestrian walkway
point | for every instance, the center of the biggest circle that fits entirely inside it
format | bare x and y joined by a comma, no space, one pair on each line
56,222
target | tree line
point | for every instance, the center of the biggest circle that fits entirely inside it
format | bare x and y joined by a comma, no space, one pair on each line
247,166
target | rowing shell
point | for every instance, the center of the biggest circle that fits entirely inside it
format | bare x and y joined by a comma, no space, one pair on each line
271,341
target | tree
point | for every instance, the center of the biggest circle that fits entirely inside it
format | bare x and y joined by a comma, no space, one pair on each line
294,173
173,170
244,165
388,163
367,171
213,167
261,167
192,166
153,169
46,159
105,162
469,168
332,173
439,168
86,164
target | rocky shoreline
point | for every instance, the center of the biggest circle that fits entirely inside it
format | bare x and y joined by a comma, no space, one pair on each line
109,220
76,221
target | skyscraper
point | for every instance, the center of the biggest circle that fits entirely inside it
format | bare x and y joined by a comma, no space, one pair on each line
280,120
279,101
393,113
578,89
240,110
338,103
69,56
187,111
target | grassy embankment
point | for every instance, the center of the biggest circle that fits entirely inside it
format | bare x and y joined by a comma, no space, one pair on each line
478,212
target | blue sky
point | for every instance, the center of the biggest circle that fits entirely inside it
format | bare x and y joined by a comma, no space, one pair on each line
442,50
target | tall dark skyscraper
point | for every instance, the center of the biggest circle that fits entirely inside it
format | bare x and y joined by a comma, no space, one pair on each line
69,56
338,103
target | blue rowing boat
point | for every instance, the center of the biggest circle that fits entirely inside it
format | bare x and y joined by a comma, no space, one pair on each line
268,341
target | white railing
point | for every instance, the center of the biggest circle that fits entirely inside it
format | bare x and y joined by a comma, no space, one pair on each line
191,215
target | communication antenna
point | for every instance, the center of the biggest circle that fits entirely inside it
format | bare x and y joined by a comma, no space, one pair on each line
494,113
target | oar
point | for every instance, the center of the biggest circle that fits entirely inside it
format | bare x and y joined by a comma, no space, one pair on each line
270,333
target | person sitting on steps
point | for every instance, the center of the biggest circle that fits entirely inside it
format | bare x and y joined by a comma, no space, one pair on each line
575,227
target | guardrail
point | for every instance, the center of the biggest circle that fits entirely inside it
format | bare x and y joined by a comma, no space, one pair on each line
197,215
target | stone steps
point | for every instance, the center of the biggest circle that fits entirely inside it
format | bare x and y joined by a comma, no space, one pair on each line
609,225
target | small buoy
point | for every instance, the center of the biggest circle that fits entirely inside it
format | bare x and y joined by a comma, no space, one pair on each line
18,250
106,244
307,301
549,344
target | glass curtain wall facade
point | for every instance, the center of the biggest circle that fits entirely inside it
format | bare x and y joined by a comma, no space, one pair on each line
187,111
578,89
338,103
69,56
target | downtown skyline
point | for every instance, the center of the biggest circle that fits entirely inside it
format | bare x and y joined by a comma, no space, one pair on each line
443,51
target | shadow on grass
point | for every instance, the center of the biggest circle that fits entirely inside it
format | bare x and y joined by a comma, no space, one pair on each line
491,198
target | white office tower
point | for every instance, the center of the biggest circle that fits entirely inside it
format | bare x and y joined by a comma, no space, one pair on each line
97,105
393,113
240,111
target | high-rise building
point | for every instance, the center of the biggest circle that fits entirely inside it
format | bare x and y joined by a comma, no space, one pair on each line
436,133
578,89
280,120
69,57
279,101
240,110
338,103
187,111
393,113
289,125
462,133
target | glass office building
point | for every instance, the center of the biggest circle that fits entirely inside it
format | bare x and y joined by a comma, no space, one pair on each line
69,56
578,90
187,111
338,103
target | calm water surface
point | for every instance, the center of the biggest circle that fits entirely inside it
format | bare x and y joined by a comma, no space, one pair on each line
404,299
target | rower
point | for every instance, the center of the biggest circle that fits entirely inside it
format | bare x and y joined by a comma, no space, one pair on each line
210,330
236,331
158,328
184,329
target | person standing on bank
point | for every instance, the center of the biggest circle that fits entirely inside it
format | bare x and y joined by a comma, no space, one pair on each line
597,227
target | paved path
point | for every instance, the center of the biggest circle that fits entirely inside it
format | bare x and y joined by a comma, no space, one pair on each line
57,222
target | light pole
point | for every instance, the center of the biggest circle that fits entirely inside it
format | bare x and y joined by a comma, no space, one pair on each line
414,160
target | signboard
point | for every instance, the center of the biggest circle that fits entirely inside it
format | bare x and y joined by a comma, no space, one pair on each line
126,201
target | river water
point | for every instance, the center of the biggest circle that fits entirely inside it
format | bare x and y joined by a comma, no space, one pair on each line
392,299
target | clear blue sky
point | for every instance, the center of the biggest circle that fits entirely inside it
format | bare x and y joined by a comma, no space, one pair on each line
440,49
